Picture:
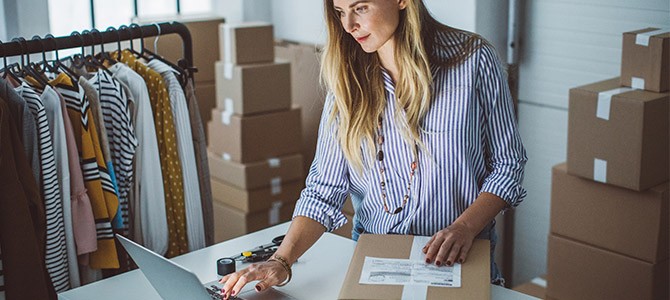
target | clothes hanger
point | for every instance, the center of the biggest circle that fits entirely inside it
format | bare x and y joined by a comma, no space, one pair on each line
103,55
58,64
118,41
5,69
26,66
140,54
44,66
38,68
181,73
78,60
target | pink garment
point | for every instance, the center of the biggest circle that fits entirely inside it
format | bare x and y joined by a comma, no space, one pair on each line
83,223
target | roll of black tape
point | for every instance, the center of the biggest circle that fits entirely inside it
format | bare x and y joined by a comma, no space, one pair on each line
225,266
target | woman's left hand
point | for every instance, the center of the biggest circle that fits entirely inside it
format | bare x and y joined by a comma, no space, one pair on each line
450,245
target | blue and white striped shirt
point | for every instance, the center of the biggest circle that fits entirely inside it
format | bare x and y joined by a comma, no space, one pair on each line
474,144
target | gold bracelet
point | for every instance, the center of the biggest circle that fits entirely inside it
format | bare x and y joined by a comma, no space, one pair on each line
282,261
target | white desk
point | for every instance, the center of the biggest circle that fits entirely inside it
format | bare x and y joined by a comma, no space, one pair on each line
318,274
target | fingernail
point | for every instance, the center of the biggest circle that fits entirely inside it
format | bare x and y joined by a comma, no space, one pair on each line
438,262
223,291
258,288
448,263
427,260
232,293
460,261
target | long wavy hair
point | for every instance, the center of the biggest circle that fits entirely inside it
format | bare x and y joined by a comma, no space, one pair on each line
354,78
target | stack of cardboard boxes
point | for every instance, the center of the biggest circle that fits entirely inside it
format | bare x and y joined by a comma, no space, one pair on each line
254,135
609,204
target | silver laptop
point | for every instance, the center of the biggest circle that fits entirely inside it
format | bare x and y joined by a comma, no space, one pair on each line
173,281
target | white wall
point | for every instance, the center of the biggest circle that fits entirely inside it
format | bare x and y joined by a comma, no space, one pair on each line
565,44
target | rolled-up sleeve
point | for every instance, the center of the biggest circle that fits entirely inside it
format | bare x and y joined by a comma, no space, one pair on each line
327,183
505,154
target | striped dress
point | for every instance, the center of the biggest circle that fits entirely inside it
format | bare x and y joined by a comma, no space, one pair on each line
472,145
56,251
96,177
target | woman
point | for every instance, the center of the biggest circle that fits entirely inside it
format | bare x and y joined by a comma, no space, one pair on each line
418,128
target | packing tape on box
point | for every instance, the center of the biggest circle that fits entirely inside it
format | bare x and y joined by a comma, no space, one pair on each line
274,213
275,184
642,39
228,71
274,162
226,156
637,83
600,170
605,101
228,109
416,291
539,282
227,44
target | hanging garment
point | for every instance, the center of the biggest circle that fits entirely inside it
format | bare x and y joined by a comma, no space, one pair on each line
98,183
200,148
120,133
56,252
23,274
149,218
25,123
52,105
194,223
83,222
93,97
167,149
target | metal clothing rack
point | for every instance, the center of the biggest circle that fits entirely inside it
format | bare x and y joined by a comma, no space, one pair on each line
95,38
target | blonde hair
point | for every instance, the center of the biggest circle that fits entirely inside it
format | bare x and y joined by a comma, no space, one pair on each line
355,80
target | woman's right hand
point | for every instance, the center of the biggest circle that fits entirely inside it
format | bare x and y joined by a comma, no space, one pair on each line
269,273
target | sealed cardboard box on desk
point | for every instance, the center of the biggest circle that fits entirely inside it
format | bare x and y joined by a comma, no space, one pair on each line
618,137
475,272
645,59
616,219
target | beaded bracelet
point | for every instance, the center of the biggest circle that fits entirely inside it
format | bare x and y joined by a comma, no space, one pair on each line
284,264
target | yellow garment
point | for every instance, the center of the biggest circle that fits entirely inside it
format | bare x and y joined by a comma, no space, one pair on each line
104,203
167,148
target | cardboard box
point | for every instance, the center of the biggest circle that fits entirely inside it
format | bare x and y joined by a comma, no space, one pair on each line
645,59
256,175
579,271
231,223
536,287
620,140
475,273
255,138
204,31
205,92
258,199
306,89
253,89
345,231
245,43
620,220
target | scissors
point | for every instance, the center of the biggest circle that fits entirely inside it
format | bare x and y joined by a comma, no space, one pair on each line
262,252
